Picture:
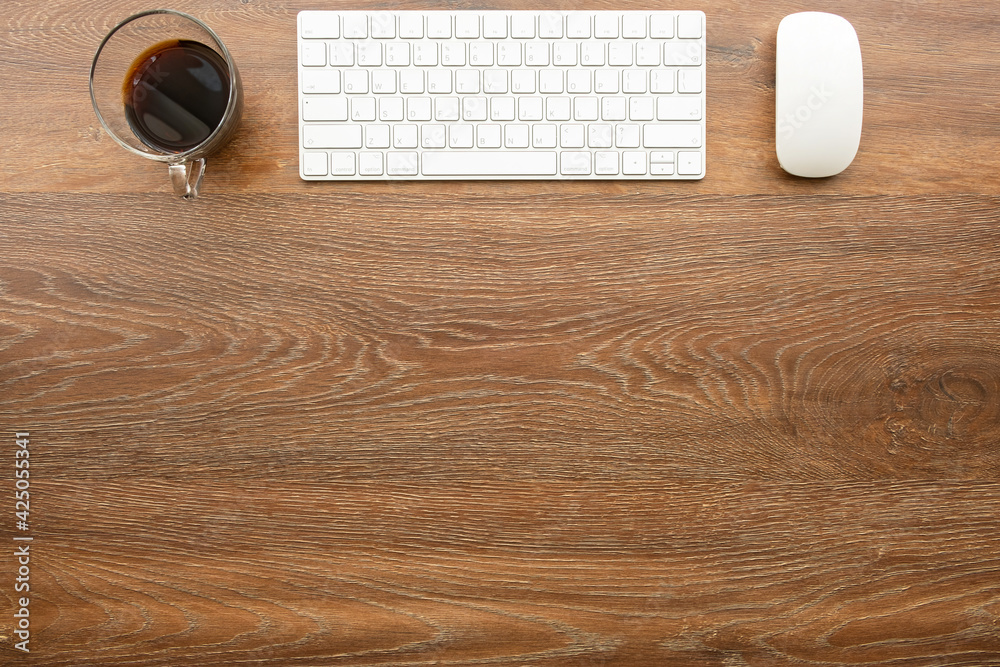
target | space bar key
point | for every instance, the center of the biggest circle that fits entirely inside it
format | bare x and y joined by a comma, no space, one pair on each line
488,163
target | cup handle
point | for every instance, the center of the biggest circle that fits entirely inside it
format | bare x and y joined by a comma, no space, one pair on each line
186,177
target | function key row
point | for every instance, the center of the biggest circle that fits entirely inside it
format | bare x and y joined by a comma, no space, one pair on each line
500,25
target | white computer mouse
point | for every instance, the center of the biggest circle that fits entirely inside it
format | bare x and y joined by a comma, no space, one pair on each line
819,90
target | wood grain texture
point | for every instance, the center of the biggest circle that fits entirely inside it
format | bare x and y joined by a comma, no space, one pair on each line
552,573
743,422
751,336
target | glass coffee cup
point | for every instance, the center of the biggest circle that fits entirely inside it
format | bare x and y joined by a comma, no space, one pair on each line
165,87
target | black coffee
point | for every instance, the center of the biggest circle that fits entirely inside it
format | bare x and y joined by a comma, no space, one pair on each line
175,95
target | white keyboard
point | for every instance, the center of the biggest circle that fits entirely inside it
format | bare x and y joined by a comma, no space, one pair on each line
501,95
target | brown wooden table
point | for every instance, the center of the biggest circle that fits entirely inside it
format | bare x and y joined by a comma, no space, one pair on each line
751,420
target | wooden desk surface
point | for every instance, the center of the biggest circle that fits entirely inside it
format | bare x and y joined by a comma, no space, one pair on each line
746,421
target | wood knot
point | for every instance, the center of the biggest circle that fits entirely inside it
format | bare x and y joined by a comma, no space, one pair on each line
956,407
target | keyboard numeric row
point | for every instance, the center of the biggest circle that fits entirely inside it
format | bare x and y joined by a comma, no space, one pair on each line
616,53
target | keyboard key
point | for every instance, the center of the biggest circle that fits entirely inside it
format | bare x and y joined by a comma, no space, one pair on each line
342,164
530,108
571,136
320,81
404,136
662,169
467,81
647,54
313,54
606,163
550,25
579,81
418,108
481,54
606,26
634,163
620,54
661,81
495,25
363,108
401,163
425,54
672,136
613,108
467,25
314,164
355,25
439,81
377,136
574,163
578,25
522,25
544,136
453,54
634,81
474,108
397,54
370,163
536,54
495,81
564,54
502,108
446,108
592,54
411,25
634,25
601,135
550,81
640,108
384,82
383,25
678,108
522,81
433,136
689,25
411,81
689,81
558,108
461,136
319,25
661,25
682,54
516,136
586,108
342,54
324,108
627,136
356,83
489,163
331,136
509,54
439,25
689,163
488,136
606,81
